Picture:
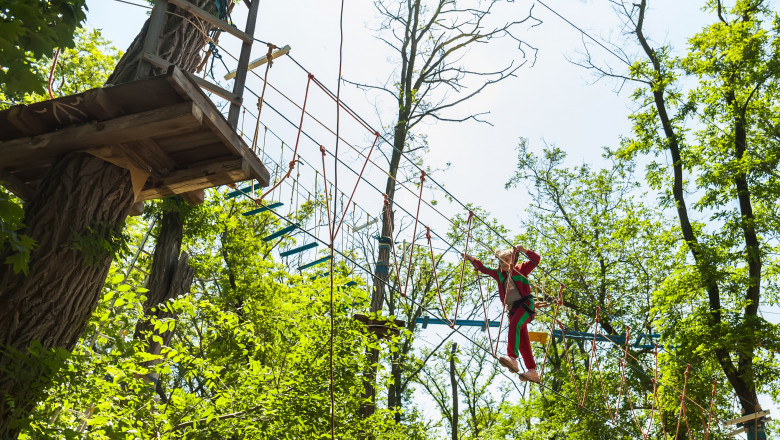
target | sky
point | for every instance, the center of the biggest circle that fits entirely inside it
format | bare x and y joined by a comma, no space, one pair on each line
550,101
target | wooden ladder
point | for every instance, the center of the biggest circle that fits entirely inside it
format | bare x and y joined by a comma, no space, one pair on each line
151,59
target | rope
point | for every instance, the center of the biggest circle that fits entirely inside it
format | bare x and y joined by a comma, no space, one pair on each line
463,268
360,176
414,234
51,71
682,404
297,140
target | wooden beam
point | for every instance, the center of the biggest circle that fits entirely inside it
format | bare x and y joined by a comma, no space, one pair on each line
153,33
262,60
163,64
99,104
197,177
204,15
194,197
16,185
147,151
747,418
170,120
25,120
243,62
217,123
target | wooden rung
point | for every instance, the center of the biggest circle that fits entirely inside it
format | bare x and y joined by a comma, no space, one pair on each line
299,249
314,263
262,60
244,190
263,209
222,25
281,232
540,337
747,418
164,64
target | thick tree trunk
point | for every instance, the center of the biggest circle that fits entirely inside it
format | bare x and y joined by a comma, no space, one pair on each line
170,276
79,206
79,203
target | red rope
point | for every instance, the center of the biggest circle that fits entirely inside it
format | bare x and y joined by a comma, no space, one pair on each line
558,304
51,71
343,107
327,197
360,176
297,140
682,403
568,360
623,369
655,391
436,277
462,270
592,356
414,234
712,406
487,320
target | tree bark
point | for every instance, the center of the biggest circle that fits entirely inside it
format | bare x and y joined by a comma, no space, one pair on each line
169,277
78,205
454,383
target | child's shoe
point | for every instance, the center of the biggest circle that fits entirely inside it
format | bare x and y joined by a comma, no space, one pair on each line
530,376
510,363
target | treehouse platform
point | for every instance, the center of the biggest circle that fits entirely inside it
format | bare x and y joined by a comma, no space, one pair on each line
164,129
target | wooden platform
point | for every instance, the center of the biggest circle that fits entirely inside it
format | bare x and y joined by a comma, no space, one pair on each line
383,327
164,129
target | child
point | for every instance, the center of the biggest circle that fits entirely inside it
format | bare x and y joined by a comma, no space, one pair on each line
515,293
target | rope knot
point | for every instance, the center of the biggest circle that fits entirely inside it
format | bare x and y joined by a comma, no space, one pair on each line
292,163
322,150
387,202
269,55
311,76
422,177
428,233
471,215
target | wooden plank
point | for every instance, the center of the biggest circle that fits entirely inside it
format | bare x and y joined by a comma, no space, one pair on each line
747,418
100,105
16,186
243,62
262,60
204,15
194,197
214,120
219,91
146,151
164,64
153,33
197,176
170,120
26,121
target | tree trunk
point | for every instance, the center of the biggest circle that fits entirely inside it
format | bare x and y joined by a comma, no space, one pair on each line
170,276
454,383
383,267
78,206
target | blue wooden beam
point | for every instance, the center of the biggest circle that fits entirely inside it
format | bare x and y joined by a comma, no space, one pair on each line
263,209
299,249
243,190
315,262
281,232
465,322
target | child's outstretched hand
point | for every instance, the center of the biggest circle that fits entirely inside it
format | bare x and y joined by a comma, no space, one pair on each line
520,248
468,257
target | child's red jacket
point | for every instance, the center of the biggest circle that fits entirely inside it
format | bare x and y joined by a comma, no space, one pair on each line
519,276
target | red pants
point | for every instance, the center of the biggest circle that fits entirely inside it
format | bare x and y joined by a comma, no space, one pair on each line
518,335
